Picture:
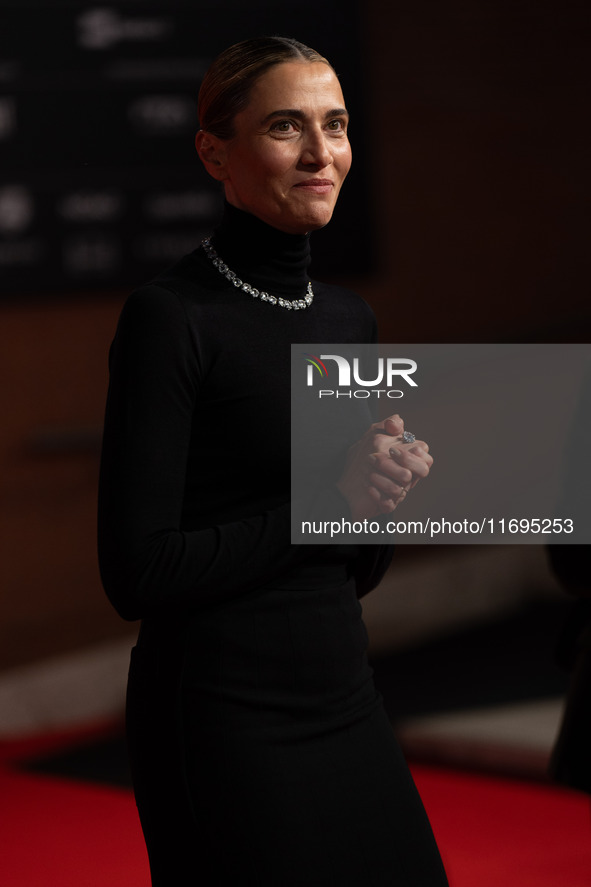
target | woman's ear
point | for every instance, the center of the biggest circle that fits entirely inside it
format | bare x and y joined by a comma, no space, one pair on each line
212,152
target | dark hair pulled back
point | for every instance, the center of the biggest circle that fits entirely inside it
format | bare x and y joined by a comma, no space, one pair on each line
227,84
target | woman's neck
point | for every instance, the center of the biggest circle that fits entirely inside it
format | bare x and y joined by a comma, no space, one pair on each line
263,256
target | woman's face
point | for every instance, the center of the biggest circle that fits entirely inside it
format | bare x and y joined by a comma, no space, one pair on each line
290,152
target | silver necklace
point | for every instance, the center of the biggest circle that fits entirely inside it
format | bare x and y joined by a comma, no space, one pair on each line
290,304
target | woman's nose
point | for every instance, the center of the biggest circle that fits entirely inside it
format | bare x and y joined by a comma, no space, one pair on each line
316,150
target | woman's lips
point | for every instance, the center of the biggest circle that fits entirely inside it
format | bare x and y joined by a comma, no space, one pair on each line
318,186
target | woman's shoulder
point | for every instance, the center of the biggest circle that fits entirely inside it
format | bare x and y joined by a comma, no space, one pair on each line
175,313
155,331
171,283
343,296
169,293
156,311
348,308
151,307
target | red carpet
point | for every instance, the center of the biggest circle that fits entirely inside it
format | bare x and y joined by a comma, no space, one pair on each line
57,833
492,832
503,833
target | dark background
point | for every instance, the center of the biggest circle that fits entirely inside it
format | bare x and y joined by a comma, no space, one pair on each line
101,183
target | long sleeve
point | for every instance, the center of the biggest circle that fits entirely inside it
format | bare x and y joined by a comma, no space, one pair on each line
148,562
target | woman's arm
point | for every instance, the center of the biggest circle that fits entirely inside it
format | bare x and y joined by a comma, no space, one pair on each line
148,563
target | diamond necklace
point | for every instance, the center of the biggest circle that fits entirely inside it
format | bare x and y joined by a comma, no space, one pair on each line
290,304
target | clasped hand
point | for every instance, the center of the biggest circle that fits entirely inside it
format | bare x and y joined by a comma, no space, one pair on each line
381,469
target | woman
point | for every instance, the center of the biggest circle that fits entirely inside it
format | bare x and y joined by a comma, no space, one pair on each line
260,752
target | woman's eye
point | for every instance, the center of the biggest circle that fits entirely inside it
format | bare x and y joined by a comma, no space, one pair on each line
283,126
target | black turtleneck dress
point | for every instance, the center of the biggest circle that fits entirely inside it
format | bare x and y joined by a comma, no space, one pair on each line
261,755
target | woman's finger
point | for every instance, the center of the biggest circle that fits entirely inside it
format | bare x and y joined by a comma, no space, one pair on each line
417,460
388,488
389,468
393,425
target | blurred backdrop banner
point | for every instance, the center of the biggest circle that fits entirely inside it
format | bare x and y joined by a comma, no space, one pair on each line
100,185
